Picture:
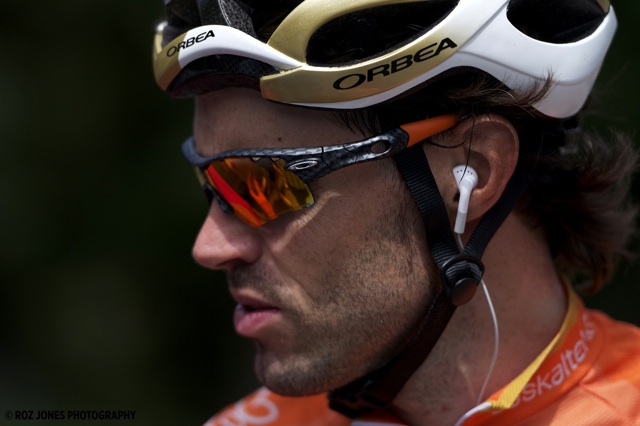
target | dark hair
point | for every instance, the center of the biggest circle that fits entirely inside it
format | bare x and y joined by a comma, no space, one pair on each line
581,198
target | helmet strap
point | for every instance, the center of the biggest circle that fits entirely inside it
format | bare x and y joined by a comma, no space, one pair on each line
460,273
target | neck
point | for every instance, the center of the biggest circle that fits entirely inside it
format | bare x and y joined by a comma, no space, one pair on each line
530,306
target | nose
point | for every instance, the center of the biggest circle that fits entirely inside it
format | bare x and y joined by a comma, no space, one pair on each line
225,242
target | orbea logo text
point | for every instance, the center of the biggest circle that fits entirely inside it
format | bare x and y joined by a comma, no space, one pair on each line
191,41
354,80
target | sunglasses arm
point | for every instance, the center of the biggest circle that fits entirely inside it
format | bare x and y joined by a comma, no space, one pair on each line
336,157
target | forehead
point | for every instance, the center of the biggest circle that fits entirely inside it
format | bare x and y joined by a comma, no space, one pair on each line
235,118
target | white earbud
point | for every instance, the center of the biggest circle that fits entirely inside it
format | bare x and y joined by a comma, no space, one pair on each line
467,179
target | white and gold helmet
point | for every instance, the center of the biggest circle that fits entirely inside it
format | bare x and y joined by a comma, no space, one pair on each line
205,44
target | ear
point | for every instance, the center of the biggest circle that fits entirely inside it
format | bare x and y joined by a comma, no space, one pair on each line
489,143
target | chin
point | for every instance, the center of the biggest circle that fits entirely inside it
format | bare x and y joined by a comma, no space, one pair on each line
290,383
298,379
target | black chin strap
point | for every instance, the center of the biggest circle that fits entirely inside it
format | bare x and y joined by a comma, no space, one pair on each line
460,273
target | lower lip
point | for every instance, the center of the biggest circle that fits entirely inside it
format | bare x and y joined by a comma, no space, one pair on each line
249,322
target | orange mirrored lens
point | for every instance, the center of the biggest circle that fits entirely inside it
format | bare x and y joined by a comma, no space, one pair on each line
258,191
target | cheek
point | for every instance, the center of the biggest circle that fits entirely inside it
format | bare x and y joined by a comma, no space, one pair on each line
350,205
363,233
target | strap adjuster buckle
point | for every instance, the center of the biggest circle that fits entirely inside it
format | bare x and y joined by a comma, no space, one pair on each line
460,276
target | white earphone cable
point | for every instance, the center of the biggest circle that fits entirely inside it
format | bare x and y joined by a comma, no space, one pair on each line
494,319
494,357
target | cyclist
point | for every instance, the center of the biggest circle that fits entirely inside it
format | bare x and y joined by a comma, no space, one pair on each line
369,165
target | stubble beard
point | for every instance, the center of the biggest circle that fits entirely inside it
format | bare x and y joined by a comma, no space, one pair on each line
370,308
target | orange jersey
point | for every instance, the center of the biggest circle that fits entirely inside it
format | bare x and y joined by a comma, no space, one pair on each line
589,374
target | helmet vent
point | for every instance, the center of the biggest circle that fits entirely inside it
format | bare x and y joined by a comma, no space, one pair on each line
182,15
554,21
234,13
370,33
266,15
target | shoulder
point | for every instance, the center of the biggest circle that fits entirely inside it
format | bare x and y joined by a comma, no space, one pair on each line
609,394
617,368
595,381
266,408
619,357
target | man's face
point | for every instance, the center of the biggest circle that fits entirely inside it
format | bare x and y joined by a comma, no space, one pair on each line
328,293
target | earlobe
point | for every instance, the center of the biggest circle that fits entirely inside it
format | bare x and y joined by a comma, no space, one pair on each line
489,144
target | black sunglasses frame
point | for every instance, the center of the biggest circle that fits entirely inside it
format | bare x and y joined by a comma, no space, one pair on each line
310,164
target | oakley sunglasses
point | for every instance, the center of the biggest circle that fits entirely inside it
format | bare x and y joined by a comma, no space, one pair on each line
259,185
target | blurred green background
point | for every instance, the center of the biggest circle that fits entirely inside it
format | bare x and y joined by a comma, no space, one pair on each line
101,305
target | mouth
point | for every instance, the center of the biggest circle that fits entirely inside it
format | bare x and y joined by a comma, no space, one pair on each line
252,317
253,308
